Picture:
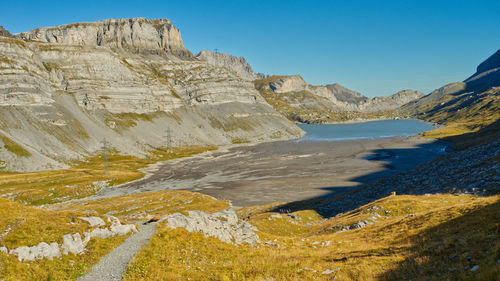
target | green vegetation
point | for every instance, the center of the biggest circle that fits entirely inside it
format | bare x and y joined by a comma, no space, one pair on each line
239,141
13,147
129,120
230,124
84,179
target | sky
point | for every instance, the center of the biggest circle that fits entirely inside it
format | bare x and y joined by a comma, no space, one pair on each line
374,47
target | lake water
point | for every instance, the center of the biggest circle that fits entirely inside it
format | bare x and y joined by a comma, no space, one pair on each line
365,130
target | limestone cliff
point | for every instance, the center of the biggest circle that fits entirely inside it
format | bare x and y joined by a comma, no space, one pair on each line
238,65
65,89
136,34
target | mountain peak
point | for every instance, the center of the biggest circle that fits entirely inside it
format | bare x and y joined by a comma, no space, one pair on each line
237,64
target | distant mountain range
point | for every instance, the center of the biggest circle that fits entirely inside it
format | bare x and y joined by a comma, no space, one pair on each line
66,89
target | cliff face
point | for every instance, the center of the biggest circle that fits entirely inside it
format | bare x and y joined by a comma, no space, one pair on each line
238,65
63,92
4,32
136,34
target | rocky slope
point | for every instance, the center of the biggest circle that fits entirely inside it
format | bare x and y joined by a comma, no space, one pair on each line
238,65
299,101
66,89
4,32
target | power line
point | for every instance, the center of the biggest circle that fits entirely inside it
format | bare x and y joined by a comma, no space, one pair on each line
105,145
168,139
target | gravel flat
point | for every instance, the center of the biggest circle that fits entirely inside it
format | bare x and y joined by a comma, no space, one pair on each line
286,171
113,265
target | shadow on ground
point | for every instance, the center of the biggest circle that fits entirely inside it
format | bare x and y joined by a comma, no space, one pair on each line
396,162
464,248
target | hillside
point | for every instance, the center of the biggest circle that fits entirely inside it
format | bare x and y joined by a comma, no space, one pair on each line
301,102
129,82
464,107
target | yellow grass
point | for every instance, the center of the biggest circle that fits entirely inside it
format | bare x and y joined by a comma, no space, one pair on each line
83,178
140,205
27,226
414,238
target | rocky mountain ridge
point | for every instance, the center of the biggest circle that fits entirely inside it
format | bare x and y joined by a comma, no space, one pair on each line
67,89
344,98
238,65
301,102
135,34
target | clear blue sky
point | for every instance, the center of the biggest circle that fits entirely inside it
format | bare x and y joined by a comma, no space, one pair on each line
374,47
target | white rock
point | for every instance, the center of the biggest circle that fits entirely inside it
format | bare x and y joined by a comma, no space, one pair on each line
94,221
100,233
328,271
123,229
23,253
45,250
223,225
4,250
72,244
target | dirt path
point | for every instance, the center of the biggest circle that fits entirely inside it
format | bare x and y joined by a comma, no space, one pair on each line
113,265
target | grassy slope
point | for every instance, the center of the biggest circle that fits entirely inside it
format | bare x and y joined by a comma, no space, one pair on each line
461,113
82,179
27,226
415,238
22,225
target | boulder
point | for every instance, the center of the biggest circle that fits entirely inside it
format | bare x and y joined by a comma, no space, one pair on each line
223,225
94,221
72,243
99,233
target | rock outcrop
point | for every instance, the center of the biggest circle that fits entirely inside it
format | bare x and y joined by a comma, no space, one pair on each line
71,243
68,88
136,34
4,32
223,225
238,65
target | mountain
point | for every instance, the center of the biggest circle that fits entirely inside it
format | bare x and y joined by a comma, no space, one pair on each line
138,35
464,107
238,65
487,74
4,32
67,89
299,101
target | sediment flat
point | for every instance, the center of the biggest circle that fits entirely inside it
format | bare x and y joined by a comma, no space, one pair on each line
286,171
